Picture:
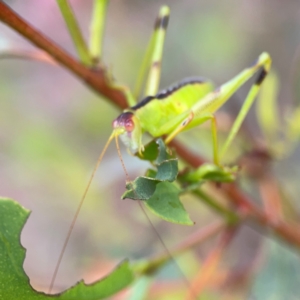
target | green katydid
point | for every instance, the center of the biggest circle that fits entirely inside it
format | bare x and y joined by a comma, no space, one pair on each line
182,106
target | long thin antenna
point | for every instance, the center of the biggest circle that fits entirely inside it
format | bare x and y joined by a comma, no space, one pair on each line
152,225
62,252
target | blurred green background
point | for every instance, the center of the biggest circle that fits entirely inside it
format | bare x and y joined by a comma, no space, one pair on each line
53,128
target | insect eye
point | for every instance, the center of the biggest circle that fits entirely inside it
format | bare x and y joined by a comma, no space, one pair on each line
129,125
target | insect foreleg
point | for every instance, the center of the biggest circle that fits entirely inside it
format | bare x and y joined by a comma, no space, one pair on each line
198,120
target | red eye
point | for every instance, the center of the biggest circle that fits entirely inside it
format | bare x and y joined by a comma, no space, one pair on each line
129,125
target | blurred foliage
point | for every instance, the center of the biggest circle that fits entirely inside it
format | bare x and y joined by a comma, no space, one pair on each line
53,128
15,283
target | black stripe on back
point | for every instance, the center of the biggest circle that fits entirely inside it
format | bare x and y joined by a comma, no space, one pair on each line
170,90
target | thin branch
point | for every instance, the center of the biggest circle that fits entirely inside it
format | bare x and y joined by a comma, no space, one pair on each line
284,230
210,264
230,215
269,191
37,55
97,79
187,155
242,202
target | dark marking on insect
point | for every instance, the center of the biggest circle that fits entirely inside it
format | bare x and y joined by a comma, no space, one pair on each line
161,22
184,123
263,73
170,90
188,119
174,87
142,103
156,64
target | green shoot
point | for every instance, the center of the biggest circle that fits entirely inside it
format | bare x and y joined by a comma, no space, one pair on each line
97,29
75,32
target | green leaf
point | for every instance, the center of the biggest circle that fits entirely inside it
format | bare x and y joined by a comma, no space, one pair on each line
14,283
150,153
167,166
166,204
142,188
163,154
151,173
210,172
160,195
118,279
156,152
167,170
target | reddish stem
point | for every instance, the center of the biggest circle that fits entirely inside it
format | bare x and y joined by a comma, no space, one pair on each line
242,202
96,79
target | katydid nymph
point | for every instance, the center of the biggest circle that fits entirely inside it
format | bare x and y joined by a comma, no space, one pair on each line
182,106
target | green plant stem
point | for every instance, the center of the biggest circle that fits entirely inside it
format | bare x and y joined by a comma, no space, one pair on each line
284,230
99,82
230,215
75,32
97,29
242,202
96,79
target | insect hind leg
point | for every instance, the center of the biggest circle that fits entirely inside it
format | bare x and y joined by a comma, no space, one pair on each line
153,56
198,121
263,65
